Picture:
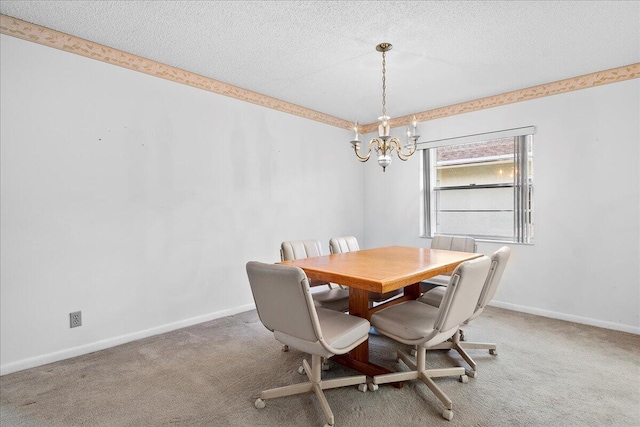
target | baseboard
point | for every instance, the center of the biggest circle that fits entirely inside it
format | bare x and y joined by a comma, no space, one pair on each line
112,342
567,317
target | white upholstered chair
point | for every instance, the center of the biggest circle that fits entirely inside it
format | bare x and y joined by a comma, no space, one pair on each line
449,243
435,297
416,323
454,243
338,245
285,307
334,297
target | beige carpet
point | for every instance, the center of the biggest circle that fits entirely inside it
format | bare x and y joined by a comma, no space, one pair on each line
547,373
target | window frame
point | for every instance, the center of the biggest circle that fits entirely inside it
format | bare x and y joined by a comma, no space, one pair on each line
523,187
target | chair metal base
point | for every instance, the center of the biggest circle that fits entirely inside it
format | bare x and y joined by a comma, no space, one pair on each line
315,384
460,346
419,372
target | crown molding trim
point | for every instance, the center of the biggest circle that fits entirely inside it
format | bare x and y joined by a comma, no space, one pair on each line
35,33
599,78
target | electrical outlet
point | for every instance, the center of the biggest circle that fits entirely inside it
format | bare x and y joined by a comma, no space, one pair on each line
75,319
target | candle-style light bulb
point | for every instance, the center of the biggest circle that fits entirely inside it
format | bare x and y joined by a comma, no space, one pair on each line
355,129
383,127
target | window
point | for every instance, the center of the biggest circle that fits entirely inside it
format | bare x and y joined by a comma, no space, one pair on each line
480,186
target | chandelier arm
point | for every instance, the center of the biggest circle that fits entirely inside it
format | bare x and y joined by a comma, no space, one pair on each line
364,158
390,145
401,154
381,146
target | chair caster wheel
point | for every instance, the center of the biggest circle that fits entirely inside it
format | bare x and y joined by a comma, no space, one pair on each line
259,404
325,366
301,370
473,374
493,351
285,347
461,335
413,352
447,414
362,388
464,379
373,387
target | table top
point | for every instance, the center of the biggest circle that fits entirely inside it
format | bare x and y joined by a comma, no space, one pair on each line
382,269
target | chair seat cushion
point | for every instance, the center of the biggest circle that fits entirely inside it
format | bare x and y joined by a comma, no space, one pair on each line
410,320
341,330
330,294
333,299
340,333
434,296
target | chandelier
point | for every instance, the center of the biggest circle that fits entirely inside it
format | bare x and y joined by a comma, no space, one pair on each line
385,144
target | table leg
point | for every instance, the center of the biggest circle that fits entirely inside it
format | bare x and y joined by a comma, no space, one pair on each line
412,291
359,306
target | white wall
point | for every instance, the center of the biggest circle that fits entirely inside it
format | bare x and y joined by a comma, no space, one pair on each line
139,201
584,265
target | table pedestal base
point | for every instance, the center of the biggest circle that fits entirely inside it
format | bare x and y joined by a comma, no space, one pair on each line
358,359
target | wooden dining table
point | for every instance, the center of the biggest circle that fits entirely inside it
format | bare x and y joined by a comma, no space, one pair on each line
379,270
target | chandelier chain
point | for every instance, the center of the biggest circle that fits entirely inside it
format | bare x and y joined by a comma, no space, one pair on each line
384,84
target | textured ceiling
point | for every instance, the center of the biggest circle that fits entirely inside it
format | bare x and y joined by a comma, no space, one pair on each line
321,54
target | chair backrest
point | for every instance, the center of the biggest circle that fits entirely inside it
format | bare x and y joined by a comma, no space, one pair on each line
499,261
462,294
454,243
298,249
283,300
338,245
